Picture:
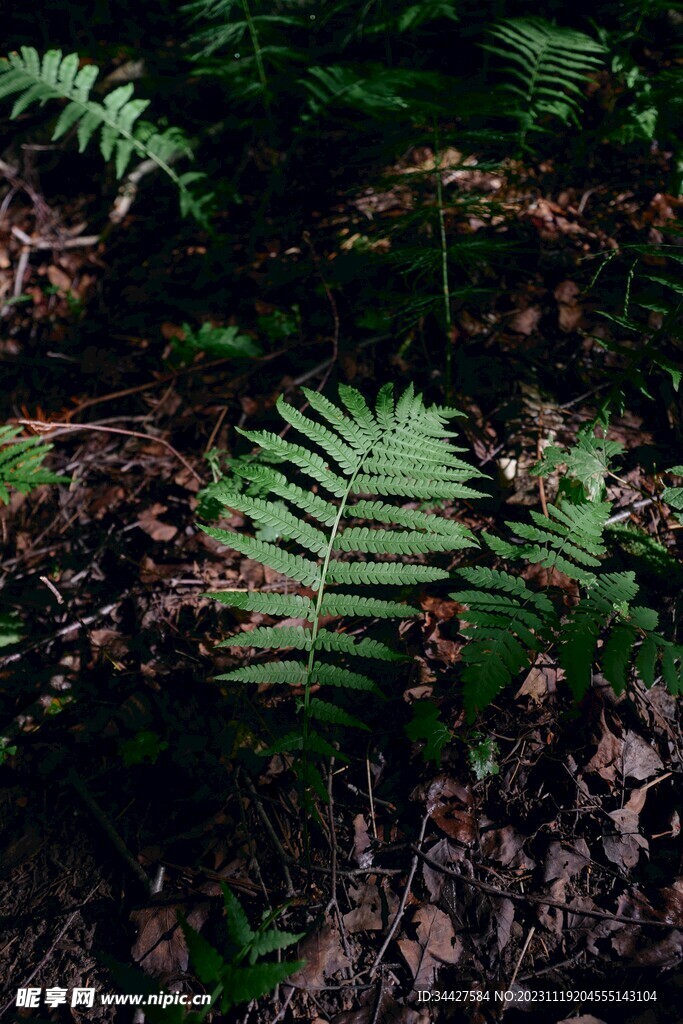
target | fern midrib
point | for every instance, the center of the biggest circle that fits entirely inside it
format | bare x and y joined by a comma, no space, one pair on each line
101,111
315,627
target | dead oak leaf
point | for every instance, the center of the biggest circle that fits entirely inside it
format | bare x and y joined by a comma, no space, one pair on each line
153,527
324,956
435,945
160,947
374,908
450,806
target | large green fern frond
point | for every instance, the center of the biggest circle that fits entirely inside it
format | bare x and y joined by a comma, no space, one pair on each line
115,120
356,454
547,68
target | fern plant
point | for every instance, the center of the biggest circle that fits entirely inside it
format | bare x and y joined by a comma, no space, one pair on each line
548,67
400,450
115,120
509,623
21,463
239,974
650,292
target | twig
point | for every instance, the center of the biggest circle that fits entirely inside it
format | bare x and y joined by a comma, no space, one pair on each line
626,513
599,915
284,856
78,242
521,956
404,898
45,427
539,456
117,842
371,798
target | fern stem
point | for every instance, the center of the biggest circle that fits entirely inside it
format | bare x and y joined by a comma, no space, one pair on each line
445,283
255,42
314,633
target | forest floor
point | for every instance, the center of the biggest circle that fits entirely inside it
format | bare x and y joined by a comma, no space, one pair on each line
133,792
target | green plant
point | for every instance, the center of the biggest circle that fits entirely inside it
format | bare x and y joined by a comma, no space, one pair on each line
673,496
237,975
400,450
548,67
21,463
508,623
483,756
650,315
116,119
220,342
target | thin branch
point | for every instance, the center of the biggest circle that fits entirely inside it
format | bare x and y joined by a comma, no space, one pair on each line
43,428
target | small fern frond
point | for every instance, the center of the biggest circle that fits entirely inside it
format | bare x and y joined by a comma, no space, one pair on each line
311,464
271,480
569,535
458,536
288,673
324,712
295,566
364,648
273,637
390,542
353,605
116,119
291,606
673,496
383,573
505,622
21,463
287,524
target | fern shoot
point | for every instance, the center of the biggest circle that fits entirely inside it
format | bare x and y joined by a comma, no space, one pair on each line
400,450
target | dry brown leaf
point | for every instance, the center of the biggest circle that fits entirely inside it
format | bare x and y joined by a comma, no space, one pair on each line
374,909
640,760
525,321
324,956
362,852
449,805
623,848
607,759
152,526
435,945
506,846
160,946
443,853
564,861
58,279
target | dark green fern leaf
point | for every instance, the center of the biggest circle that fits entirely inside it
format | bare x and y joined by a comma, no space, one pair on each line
21,463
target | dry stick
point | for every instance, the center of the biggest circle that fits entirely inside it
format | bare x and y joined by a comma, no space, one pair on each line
492,890
60,935
539,456
404,898
286,859
513,979
78,242
333,903
116,840
43,428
